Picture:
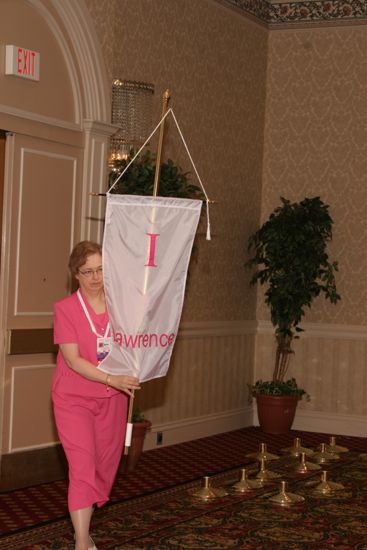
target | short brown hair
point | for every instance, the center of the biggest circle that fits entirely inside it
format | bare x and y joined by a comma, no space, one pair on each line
80,253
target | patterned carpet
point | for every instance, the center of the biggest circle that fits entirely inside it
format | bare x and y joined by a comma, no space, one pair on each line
151,507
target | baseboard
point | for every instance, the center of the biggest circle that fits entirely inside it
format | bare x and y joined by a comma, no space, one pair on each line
26,468
330,423
195,428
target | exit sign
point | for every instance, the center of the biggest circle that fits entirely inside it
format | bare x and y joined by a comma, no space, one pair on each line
22,62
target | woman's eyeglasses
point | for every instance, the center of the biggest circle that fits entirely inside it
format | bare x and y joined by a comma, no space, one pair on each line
89,272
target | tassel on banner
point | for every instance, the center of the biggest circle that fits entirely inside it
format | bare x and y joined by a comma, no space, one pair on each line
208,234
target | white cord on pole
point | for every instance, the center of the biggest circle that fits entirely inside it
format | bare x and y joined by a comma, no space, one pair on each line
208,235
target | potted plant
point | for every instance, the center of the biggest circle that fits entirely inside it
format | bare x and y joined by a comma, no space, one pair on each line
139,178
140,428
289,254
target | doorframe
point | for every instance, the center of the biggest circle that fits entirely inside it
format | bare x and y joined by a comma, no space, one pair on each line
72,26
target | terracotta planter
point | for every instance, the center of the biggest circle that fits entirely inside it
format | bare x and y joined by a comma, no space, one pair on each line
276,412
137,442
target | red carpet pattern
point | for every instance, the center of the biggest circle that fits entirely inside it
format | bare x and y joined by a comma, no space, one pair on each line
159,470
173,519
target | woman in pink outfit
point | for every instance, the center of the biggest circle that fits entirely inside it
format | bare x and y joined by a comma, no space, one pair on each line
90,406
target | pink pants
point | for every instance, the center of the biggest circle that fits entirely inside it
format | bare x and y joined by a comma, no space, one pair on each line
92,433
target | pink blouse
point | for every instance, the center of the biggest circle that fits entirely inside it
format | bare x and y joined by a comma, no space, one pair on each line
72,327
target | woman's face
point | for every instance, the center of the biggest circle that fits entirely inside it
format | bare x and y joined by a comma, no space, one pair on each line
90,274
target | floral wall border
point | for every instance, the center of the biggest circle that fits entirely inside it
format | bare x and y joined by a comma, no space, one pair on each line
313,11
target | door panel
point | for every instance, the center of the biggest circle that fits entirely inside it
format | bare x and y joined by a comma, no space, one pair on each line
44,225
42,192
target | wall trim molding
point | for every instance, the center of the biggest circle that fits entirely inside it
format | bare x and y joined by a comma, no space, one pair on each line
94,80
322,330
198,427
91,93
35,117
198,329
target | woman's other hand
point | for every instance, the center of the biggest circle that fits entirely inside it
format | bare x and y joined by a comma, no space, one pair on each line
124,383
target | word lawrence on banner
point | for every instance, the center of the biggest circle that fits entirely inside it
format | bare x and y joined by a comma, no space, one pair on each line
144,340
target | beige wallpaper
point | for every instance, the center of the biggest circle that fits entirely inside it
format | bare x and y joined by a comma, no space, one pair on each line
214,62
316,144
103,13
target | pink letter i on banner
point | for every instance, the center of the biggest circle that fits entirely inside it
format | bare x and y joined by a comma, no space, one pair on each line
153,238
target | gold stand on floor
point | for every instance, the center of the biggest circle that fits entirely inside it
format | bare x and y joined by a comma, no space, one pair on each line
323,457
207,492
297,449
283,498
263,454
304,467
245,484
265,475
326,487
334,448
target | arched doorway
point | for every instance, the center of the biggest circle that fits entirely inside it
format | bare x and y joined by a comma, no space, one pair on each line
57,132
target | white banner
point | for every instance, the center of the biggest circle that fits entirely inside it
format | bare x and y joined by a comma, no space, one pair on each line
146,251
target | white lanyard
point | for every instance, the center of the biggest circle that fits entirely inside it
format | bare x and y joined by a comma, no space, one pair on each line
93,328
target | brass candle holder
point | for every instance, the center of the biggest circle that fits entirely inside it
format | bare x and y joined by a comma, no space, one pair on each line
244,484
332,447
323,456
283,498
263,454
207,492
326,487
297,449
265,475
304,467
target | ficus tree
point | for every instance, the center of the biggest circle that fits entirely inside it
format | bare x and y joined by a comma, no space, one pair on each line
289,256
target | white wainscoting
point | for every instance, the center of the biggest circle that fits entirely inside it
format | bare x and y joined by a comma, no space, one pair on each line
195,428
330,363
206,385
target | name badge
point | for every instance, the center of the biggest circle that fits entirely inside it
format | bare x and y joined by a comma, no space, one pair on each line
103,347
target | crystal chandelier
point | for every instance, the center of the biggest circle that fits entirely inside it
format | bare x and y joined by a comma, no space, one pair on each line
132,112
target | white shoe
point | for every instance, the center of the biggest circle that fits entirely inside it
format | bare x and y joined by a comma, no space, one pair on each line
93,547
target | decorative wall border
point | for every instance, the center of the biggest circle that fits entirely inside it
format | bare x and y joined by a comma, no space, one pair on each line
294,13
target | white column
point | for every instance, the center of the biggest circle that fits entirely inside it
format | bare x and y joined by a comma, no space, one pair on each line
95,173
